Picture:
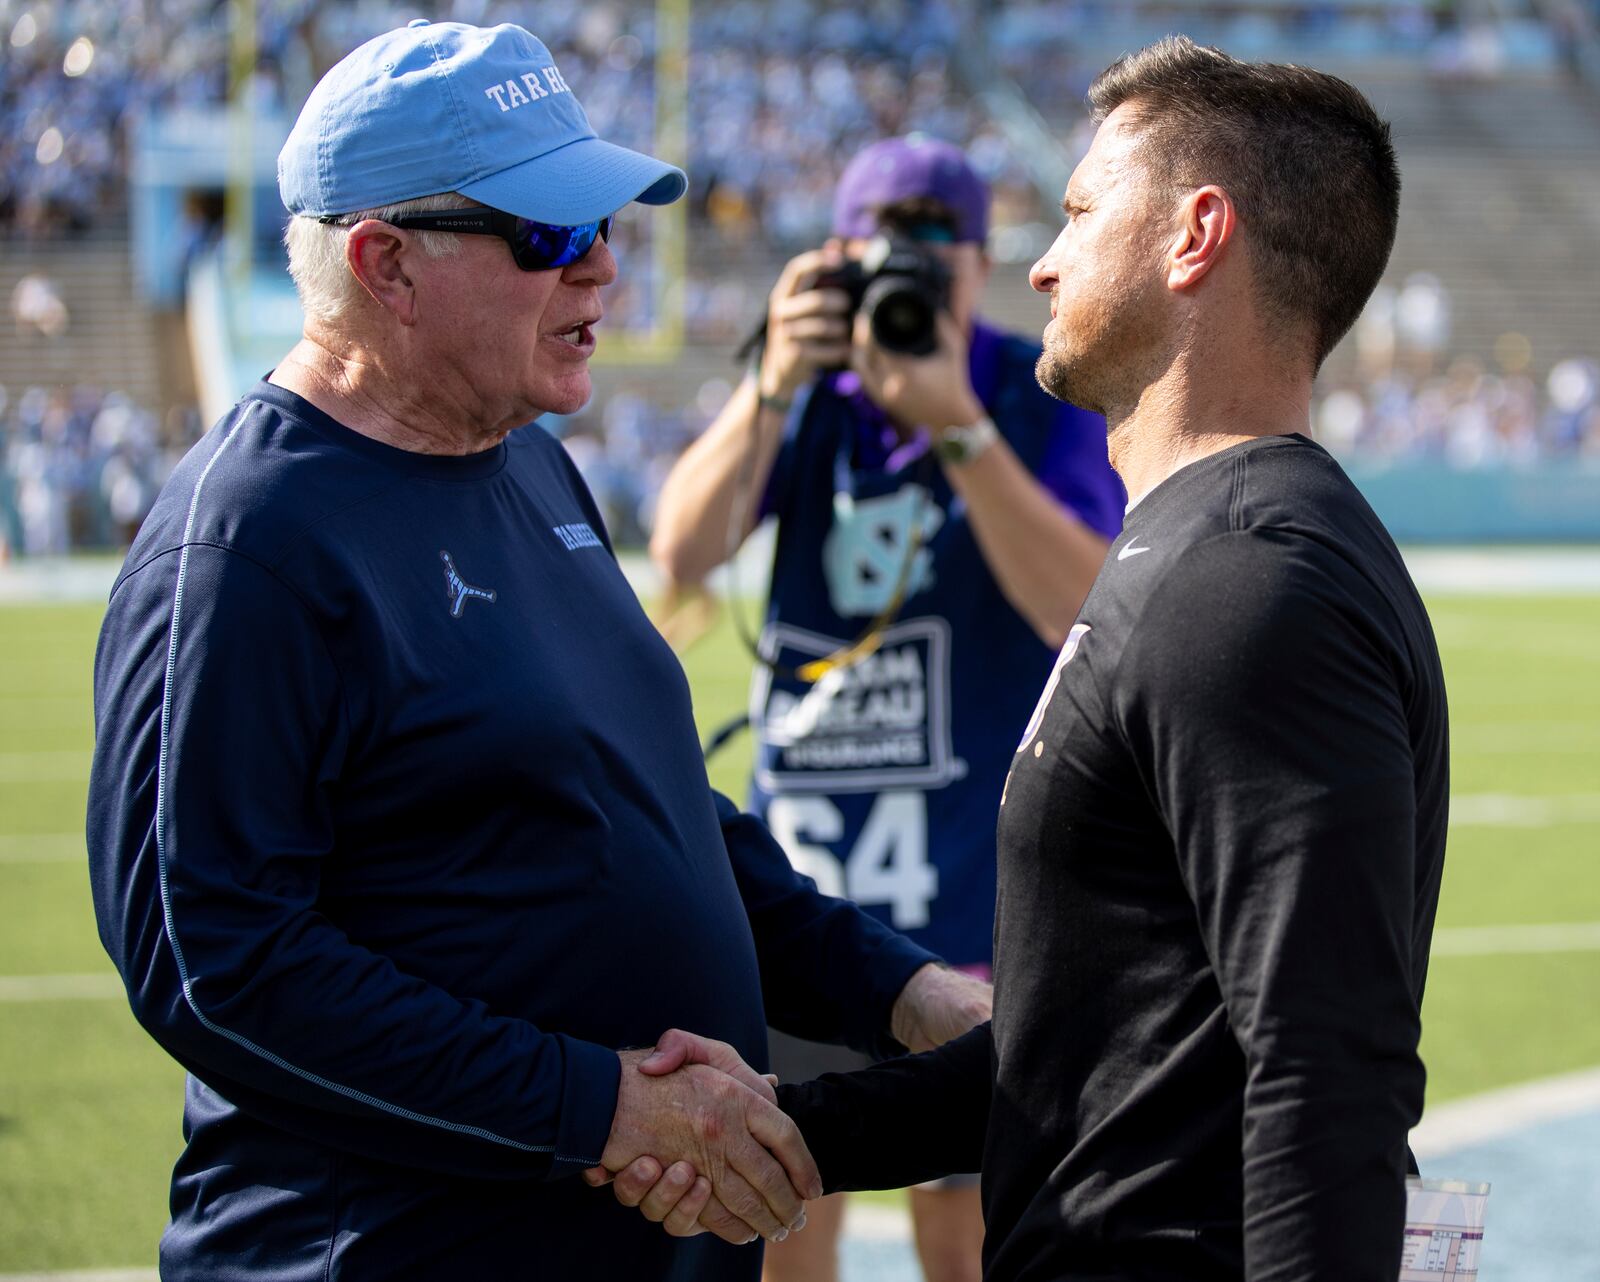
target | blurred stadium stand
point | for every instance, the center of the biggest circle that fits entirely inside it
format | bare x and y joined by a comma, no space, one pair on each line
132,275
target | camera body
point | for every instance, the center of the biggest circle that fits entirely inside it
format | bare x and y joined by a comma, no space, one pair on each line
900,288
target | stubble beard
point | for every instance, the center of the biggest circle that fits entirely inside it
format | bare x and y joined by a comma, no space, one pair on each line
1080,373
1062,378
1104,363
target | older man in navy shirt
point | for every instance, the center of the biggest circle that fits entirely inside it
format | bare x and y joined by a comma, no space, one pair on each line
397,803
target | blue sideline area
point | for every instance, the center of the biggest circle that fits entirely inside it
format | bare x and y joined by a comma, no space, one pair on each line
1544,1208
874,1260
1554,501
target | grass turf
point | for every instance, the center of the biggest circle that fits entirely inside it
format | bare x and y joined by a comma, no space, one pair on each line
89,1107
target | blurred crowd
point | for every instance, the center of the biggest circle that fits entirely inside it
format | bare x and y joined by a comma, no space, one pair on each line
780,94
1464,416
75,74
1468,415
79,467
1409,396
1038,42
625,446
780,90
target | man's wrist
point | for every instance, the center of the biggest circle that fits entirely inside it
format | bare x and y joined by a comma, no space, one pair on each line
963,444
939,1004
590,1095
771,393
904,1015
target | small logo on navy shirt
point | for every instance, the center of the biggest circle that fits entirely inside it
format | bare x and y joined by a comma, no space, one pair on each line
460,590
577,535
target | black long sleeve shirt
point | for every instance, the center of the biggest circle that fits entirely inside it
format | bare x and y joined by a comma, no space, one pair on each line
1220,848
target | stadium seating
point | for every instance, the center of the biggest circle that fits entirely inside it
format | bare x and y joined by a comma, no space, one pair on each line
1499,146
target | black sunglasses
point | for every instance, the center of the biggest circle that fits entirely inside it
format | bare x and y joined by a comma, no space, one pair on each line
536,247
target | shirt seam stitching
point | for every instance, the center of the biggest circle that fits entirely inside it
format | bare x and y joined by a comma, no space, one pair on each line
272,572
161,816
333,1213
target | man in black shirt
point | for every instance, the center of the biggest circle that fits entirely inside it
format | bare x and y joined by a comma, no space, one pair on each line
1221,838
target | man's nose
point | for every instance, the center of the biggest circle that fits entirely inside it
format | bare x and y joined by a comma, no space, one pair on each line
1045,275
1042,275
597,267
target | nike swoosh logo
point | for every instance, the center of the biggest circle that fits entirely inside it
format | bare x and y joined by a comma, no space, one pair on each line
1130,550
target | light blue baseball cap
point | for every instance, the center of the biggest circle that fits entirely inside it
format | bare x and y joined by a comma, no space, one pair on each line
436,107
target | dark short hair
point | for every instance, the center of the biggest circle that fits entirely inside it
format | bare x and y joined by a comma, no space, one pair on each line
1305,158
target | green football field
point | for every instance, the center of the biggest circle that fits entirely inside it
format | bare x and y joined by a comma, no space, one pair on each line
89,1108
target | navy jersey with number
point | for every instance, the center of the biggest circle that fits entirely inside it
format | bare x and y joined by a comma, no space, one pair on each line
882,779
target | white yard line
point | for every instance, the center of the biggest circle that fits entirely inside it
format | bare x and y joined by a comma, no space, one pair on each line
1464,571
1490,941
60,988
1504,571
55,579
1483,809
1511,810
88,1275
1496,1114
1552,571
1451,941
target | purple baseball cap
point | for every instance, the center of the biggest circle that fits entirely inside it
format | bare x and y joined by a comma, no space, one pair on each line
903,168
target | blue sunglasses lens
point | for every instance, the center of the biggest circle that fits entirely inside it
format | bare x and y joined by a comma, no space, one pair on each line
540,246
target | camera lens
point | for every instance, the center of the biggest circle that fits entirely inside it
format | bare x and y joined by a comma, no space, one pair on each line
903,311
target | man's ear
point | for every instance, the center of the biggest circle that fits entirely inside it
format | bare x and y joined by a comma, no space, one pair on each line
1206,222
375,253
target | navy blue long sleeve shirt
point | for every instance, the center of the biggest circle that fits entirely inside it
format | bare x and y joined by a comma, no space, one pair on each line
398,829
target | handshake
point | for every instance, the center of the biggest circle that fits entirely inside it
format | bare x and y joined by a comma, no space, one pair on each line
698,1143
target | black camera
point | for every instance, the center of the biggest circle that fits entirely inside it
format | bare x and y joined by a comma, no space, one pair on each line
900,288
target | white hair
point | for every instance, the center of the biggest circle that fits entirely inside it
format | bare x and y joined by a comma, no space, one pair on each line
323,278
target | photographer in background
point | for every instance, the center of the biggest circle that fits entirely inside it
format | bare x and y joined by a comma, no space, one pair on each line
940,519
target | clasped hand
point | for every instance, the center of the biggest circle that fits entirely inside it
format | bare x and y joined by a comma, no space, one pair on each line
697,1154
703,1145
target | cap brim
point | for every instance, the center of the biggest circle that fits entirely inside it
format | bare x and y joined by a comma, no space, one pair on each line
579,183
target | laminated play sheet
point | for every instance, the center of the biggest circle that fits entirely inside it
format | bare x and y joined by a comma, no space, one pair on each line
1444,1230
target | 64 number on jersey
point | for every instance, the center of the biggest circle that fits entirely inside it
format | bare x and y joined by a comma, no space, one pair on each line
887,865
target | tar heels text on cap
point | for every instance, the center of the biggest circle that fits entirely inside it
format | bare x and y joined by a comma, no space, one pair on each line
510,97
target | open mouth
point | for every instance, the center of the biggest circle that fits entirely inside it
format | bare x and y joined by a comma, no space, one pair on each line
579,335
